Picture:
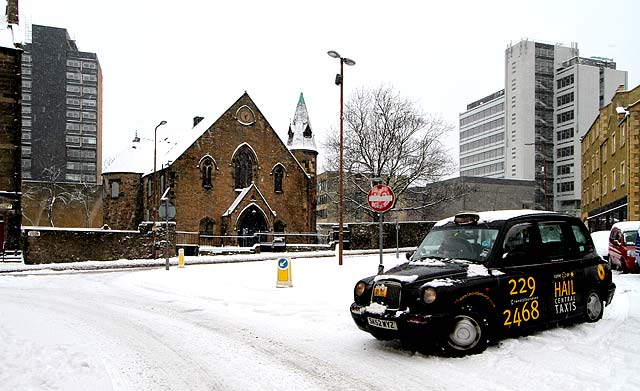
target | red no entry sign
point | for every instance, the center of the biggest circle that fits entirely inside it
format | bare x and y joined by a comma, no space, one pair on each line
381,198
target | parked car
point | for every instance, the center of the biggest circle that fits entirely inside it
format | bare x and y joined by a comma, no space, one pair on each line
601,241
622,245
479,277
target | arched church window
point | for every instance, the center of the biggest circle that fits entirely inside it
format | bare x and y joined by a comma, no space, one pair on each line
207,170
243,166
278,175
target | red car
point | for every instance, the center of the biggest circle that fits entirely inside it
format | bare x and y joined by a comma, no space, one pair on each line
622,249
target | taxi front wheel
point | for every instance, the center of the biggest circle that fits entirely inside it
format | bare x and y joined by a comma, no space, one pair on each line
594,307
467,334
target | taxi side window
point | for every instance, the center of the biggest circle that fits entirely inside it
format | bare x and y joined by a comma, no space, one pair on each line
554,245
518,244
583,244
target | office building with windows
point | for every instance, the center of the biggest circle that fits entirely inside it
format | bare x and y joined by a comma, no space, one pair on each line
482,137
551,97
62,109
583,86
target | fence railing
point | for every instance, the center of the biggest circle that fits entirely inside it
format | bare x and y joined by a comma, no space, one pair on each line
184,238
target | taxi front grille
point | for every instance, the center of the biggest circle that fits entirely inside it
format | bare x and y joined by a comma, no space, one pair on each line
387,293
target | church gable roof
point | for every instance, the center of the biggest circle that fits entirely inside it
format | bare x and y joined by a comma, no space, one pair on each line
247,192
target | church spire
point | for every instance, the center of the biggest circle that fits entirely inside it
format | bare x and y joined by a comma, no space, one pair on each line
300,131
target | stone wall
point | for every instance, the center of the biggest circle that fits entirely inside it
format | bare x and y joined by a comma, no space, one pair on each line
367,235
363,236
55,245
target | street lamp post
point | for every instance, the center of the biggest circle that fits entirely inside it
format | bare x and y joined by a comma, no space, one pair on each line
155,182
339,80
153,191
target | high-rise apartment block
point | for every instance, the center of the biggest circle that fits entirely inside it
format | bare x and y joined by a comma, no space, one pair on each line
482,137
551,97
61,109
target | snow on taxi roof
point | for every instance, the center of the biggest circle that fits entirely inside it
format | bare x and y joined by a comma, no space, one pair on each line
496,215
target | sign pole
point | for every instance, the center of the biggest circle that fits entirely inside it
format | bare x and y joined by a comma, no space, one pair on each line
380,266
381,199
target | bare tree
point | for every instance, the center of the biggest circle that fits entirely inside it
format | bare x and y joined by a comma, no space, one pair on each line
388,137
53,191
84,194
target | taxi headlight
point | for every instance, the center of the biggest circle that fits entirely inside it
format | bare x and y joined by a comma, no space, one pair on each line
429,295
631,253
359,289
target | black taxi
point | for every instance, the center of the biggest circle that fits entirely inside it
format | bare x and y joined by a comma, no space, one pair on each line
479,277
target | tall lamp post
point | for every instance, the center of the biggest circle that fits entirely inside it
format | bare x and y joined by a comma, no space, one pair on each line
155,182
339,79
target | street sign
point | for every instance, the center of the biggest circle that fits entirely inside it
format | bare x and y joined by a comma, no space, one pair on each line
167,211
284,273
381,198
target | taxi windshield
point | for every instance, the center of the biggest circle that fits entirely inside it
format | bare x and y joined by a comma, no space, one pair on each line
469,243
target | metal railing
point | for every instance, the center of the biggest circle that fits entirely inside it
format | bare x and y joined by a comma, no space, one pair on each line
184,238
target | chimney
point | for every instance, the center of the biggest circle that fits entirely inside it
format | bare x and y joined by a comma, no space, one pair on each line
196,120
12,11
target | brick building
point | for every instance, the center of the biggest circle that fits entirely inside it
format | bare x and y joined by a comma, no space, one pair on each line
228,176
611,163
10,134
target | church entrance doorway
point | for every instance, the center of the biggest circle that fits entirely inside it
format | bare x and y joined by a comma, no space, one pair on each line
251,221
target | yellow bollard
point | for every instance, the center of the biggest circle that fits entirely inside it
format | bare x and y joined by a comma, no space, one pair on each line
181,257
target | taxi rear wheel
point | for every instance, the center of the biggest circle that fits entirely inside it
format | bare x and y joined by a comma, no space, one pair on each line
467,334
594,307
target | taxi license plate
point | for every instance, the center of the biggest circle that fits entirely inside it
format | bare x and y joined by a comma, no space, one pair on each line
383,324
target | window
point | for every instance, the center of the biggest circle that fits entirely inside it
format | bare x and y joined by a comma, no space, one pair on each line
278,175
88,65
622,134
115,189
580,236
88,103
73,76
566,151
519,240
86,77
73,127
564,134
88,115
26,109
73,63
26,83
73,114
89,90
26,97
564,99
604,184
564,117
73,89
206,168
564,187
622,174
88,128
73,101
553,243
243,165
613,144
206,226
565,169
613,179
565,81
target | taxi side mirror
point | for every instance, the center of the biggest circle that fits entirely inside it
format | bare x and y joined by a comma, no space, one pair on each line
408,255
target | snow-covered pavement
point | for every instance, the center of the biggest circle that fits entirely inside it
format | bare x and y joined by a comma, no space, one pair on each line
227,327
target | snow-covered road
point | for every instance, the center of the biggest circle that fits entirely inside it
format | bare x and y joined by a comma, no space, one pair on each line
227,327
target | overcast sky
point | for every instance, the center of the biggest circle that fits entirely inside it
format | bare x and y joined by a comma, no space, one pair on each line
173,60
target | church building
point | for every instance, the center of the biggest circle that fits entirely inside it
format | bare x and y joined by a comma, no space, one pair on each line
226,176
